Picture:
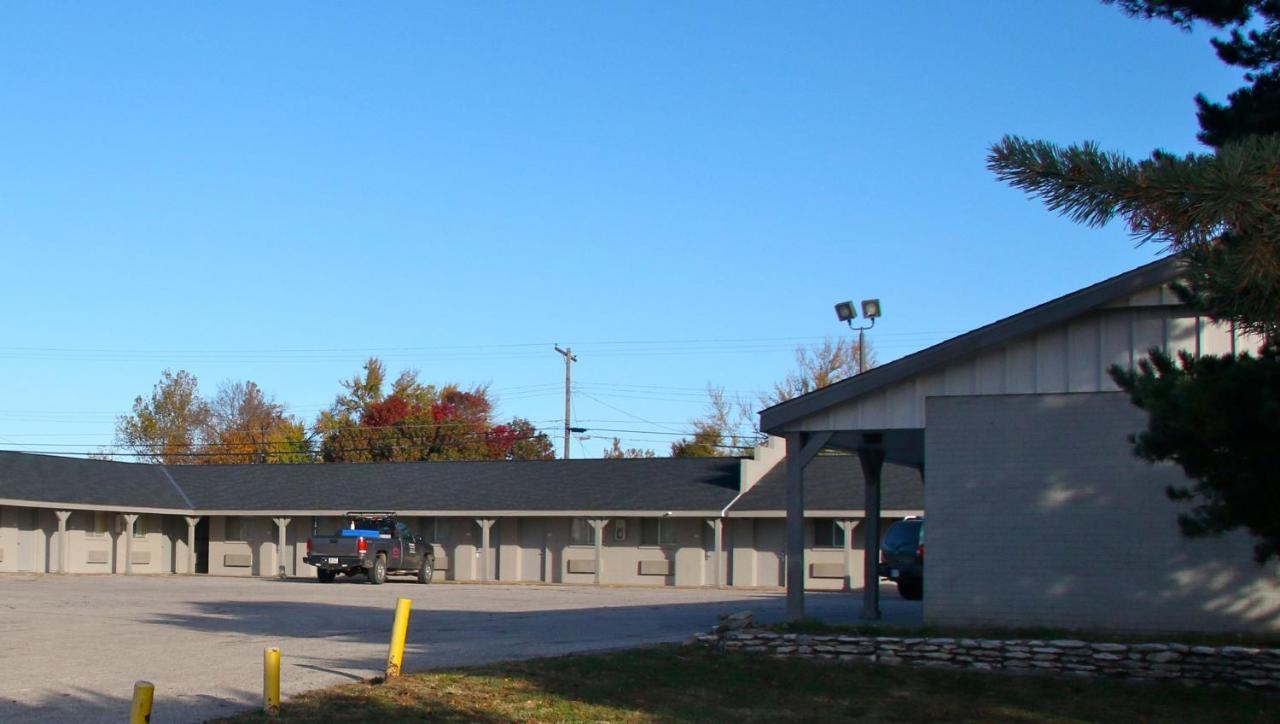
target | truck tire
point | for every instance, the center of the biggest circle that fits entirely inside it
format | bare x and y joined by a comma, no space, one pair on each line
426,570
378,573
911,589
325,576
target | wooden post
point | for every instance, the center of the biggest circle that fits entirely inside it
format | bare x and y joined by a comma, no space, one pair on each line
801,448
62,539
130,519
848,527
192,521
597,525
485,525
281,525
872,458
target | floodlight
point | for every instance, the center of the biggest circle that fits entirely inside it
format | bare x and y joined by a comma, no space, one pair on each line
845,311
870,308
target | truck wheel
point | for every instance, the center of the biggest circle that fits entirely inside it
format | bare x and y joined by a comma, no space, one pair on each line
912,590
325,576
426,570
378,574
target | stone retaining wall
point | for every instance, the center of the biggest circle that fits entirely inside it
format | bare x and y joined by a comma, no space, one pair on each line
1210,665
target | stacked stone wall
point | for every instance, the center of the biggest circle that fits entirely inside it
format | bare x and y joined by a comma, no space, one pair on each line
1238,666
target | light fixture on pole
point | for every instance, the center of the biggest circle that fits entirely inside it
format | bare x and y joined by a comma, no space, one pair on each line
846,312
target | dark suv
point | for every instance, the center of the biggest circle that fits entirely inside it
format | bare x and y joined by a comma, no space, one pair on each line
902,557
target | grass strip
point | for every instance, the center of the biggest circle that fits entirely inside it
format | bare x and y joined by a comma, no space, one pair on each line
690,684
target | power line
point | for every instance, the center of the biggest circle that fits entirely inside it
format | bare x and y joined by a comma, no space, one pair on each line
370,349
628,414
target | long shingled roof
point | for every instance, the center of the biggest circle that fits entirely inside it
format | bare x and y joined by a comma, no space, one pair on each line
835,483
661,484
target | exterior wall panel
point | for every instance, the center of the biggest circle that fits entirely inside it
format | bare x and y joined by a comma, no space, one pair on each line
1040,515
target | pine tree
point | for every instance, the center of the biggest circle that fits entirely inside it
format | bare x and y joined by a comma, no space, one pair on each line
1216,417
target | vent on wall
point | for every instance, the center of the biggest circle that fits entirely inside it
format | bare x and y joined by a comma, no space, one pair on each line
582,566
98,556
142,557
237,560
826,570
655,568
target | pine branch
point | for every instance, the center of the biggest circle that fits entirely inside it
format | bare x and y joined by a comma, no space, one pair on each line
1182,202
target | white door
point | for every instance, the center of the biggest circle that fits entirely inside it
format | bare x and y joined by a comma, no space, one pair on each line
27,534
533,538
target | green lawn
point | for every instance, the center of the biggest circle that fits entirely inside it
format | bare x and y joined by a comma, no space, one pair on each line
674,683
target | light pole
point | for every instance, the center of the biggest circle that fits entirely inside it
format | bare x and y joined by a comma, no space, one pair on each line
846,312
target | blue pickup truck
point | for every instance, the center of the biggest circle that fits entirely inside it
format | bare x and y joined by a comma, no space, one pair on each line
374,545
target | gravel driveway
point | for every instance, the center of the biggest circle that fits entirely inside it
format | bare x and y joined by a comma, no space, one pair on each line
74,645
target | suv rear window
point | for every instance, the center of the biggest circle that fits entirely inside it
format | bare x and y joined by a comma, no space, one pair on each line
905,534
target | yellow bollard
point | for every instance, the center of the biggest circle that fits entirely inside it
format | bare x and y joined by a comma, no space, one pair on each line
271,681
144,693
399,630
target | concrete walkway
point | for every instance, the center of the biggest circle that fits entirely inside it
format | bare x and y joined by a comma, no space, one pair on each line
74,645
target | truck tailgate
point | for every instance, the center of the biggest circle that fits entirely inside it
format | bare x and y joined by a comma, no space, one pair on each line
333,546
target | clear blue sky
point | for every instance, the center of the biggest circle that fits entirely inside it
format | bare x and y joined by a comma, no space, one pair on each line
214,186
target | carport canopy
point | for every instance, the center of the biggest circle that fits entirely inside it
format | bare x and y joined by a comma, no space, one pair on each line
879,415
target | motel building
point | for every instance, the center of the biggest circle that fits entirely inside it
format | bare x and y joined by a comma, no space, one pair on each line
656,522
1012,437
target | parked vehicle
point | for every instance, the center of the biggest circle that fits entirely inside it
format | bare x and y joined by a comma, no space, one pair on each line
902,557
374,545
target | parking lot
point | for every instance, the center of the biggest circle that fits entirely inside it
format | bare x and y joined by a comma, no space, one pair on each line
74,645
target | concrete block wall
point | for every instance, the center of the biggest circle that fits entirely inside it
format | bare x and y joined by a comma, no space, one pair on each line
1040,515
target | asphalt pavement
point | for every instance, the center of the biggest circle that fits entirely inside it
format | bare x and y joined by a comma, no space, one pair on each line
74,645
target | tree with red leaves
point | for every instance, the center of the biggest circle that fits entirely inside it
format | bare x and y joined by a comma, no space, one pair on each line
417,421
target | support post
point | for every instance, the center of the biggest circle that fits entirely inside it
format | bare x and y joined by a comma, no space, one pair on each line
848,527
485,555
192,521
130,519
62,539
281,543
597,525
871,455
801,448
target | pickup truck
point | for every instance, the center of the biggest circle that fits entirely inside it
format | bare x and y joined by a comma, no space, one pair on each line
372,544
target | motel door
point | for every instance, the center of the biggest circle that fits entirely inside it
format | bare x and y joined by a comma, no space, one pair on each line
27,539
533,541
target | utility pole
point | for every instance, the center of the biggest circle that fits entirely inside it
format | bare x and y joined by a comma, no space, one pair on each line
569,359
